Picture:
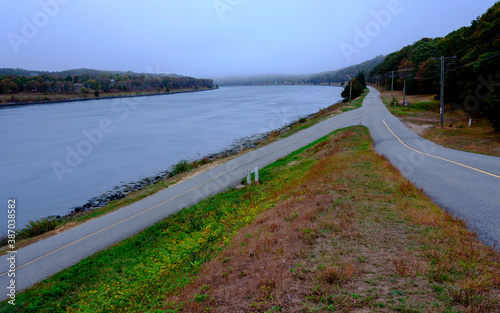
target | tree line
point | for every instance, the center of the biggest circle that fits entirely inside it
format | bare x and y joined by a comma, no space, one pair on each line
14,81
471,78
358,86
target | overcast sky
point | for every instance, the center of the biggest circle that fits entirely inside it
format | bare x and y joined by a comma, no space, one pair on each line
214,38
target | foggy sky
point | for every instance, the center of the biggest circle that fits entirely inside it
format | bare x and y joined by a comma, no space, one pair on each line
216,38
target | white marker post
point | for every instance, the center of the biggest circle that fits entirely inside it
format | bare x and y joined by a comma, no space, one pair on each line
256,174
249,180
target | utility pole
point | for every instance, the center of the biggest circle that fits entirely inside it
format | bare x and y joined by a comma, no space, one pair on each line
350,89
404,85
441,105
392,85
441,98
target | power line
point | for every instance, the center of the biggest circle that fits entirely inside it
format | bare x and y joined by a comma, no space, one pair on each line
425,78
479,45
459,66
477,61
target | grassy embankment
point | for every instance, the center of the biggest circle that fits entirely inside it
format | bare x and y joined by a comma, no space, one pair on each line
331,227
52,96
423,117
43,228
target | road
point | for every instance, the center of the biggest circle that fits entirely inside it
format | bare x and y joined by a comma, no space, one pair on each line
466,184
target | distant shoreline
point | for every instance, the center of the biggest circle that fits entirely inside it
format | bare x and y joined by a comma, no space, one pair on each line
15,104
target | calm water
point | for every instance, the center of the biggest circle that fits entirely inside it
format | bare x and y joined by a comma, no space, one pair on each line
57,156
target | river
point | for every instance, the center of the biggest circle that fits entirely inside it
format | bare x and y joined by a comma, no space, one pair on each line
57,156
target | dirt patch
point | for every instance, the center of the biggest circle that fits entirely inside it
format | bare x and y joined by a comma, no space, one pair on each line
419,129
412,98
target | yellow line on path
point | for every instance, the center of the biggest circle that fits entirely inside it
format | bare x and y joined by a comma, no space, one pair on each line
436,157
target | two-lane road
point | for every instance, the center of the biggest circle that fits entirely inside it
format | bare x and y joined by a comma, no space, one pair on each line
464,183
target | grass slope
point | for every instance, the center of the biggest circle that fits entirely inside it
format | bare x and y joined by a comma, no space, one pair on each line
332,226
350,234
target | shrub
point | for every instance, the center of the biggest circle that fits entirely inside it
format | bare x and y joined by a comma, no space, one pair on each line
38,227
426,106
181,167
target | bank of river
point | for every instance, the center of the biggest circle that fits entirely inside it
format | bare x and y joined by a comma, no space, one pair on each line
61,155
103,97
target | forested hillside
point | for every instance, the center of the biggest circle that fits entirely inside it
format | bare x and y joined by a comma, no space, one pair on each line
340,75
83,81
471,79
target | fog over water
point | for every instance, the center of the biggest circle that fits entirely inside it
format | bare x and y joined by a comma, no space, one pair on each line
60,155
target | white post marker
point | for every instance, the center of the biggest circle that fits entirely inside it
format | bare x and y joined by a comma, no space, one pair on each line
256,174
249,180
470,121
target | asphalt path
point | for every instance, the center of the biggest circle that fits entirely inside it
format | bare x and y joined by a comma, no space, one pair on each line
468,185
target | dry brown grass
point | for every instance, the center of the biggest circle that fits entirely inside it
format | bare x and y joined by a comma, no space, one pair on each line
351,235
399,95
256,271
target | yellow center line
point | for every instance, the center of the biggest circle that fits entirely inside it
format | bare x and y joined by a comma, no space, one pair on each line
151,208
436,157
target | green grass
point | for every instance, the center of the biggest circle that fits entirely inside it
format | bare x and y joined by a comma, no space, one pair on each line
413,108
425,106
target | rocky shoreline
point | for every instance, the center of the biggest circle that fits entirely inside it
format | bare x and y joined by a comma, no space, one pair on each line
235,147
